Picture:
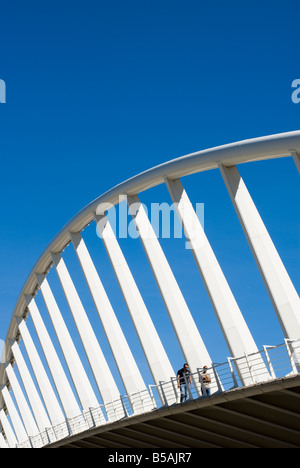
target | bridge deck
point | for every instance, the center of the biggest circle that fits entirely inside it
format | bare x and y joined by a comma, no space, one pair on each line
260,416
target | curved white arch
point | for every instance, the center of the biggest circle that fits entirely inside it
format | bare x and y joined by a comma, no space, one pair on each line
256,149
221,157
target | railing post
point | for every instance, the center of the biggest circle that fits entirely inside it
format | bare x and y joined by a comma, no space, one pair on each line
217,378
269,361
295,366
162,393
89,413
173,380
154,405
235,384
250,368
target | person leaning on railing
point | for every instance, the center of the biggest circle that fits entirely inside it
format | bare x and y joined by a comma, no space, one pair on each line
183,380
206,381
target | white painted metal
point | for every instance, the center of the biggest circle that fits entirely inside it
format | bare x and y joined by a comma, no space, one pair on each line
192,346
17,423
102,373
81,382
24,410
155,353
36,404
10,435
235,330
63,387
268,147
281,290
296,158
3,444
128,369
280,361
54,410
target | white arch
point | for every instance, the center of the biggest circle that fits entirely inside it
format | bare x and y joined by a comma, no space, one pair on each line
225,158
256,149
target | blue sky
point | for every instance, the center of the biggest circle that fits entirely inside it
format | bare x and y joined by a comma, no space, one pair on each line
100,91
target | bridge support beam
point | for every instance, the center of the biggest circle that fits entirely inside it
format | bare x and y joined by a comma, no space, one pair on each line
3,444
81,382
154,351
36,404
17,423
27,417
128,369
54,410
192,346
11,438
67,398
103,376
234,328
280,288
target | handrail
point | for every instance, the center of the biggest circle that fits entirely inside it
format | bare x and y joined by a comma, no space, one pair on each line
282,360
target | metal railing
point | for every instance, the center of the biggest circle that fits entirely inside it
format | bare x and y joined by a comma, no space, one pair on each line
271,363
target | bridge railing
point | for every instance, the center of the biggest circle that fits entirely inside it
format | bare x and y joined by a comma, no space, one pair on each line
280,361
270,363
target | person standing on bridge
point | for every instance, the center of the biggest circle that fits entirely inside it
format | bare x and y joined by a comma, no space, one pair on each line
206,381
183,380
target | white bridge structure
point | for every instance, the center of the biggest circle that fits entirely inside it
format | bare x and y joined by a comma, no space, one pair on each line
51,397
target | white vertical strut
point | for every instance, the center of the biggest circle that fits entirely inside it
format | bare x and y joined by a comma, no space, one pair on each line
235,330
281,290
103,377
81,382
14,416
10,435
54,410
126,364
64,390
36,404
3,444
155,353
187,333
27,418
128,369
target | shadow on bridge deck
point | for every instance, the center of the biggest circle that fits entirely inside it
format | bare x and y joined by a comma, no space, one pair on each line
261,416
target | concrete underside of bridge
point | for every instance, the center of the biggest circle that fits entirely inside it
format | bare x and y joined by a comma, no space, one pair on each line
261,416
